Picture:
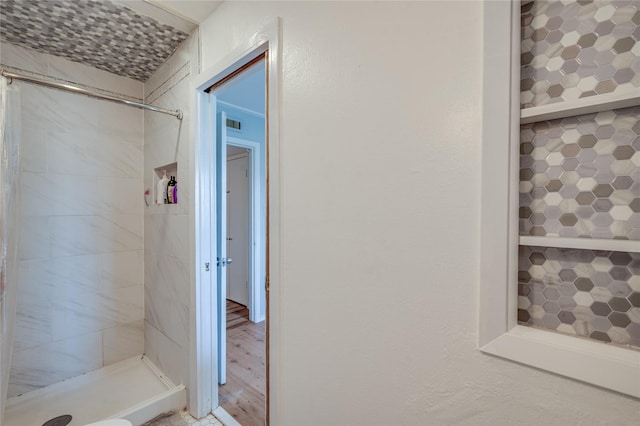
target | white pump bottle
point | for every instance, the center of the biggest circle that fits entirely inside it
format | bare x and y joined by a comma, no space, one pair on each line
161,194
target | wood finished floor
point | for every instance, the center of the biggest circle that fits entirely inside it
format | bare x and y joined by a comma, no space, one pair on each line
243,396
237,314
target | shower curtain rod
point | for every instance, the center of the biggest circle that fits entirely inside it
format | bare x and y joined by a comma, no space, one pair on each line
81,91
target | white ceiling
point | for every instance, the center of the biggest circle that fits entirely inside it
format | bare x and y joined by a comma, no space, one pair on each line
192,10
247,90
184,15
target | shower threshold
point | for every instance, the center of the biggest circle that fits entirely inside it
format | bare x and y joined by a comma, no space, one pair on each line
133,389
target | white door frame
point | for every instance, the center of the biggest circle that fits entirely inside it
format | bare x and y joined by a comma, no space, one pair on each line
203,380
256,226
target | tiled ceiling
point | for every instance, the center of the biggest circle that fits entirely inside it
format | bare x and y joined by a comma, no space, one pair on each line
101,34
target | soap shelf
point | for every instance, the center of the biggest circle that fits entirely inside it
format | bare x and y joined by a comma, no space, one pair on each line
158,172
629,246
588,105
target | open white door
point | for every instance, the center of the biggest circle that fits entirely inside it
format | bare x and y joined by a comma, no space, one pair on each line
203,397
221,241
238,228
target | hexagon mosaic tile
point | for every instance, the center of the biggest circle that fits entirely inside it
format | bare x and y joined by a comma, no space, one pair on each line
574,49
580,176
586,293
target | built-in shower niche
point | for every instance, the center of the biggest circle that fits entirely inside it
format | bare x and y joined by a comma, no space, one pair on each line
171,170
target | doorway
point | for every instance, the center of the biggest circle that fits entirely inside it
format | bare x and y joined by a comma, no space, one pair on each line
246,211
206,298
243,394
240,194
232,201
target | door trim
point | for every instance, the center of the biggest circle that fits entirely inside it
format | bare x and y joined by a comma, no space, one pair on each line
203,390
202,230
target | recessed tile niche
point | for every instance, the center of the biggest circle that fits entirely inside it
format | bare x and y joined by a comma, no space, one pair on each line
579,186
172,170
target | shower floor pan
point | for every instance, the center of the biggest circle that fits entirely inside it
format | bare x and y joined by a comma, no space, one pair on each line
133,389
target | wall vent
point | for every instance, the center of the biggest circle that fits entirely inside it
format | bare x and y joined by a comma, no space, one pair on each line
234,124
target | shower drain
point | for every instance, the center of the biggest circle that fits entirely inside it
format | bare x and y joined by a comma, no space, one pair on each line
58,421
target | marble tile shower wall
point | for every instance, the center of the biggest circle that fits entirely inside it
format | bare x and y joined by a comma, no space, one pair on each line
580,176
167,272
80,302
574,49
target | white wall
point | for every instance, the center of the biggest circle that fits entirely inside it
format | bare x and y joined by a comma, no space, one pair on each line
381,127
81,276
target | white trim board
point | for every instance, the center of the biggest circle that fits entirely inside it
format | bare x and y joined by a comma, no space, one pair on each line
226,418
588,105
632,246
607,366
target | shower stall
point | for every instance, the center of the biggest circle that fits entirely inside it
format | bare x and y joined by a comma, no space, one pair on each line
78,336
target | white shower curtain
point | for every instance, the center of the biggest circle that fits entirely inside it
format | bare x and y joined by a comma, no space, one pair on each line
9,224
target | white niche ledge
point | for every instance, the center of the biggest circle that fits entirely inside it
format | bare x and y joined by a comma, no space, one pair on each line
588,105
629,246
602,364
